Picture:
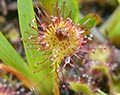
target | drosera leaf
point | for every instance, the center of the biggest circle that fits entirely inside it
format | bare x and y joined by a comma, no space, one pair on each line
10,57
102,68
81,88
106,72
101,54
89,21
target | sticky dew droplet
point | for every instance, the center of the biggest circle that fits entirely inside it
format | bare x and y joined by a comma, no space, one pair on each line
32,89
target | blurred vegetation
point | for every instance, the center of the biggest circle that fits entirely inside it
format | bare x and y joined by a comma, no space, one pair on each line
103,73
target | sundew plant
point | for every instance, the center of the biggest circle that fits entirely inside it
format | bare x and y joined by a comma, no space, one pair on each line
51,41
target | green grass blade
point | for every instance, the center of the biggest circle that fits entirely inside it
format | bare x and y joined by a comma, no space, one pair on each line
71,5
89,21
26,15
111,28
101,92
10,57
48,5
